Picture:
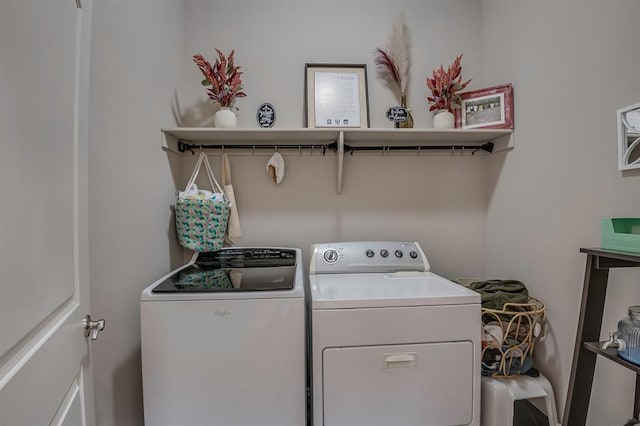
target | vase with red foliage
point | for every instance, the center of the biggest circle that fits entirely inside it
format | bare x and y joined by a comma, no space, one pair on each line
445,86
225,80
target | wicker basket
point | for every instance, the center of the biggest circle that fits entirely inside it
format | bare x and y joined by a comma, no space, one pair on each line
522,324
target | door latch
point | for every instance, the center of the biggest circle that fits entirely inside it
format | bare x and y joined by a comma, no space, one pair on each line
91,328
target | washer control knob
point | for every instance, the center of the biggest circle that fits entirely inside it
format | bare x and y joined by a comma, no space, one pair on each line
398,254
369,253
384,253
330,256
413,254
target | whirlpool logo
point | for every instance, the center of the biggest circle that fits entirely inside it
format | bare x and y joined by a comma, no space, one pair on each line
222,314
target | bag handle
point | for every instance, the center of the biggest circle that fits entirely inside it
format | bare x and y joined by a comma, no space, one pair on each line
226,170
212,177
202,158
194,173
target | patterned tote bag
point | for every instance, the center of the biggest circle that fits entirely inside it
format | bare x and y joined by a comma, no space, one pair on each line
201,220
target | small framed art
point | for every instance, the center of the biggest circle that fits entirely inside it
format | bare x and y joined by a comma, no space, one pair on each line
490,108
629,137
336,96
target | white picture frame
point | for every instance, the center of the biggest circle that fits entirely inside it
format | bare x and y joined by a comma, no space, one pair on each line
336,96
629,137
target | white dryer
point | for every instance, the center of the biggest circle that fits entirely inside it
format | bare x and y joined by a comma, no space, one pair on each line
392,343
223,341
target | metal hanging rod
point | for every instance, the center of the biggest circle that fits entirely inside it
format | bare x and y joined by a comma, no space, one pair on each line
333,146
185,146
487,146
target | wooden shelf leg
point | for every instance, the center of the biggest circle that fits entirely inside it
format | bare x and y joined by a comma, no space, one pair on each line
594,292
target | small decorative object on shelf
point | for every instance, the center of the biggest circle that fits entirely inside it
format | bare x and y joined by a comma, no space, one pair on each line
226,85
392,65
266,115
398,115
445,97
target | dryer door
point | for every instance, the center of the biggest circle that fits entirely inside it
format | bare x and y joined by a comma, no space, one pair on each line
423,384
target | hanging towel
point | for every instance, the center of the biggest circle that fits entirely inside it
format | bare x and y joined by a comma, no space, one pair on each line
275,167
233,226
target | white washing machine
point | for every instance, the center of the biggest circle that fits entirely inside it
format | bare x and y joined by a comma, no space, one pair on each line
223,341
392,343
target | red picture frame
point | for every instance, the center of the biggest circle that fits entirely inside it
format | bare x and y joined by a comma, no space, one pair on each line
490,108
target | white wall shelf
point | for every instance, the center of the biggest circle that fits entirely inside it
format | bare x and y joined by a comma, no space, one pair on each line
183,140
385,136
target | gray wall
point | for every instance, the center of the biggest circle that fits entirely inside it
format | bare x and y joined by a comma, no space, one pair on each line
439,201
136,63
522,214
572,67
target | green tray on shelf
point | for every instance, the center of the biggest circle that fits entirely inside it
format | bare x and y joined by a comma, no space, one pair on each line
621,234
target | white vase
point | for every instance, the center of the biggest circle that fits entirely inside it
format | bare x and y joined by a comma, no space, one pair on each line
225,118
443,119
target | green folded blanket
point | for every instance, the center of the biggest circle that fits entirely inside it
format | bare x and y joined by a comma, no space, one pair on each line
495,293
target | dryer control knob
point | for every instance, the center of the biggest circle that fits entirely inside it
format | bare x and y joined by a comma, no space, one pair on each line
330,256
398,254
384,253
369,253
413,254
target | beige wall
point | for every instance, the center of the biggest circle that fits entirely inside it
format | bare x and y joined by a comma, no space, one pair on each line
522,214
571,67
438,201
135,64
273,40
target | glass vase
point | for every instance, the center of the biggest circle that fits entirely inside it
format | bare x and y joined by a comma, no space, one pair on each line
408,123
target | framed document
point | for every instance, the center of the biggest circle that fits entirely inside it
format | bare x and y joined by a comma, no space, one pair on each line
336,96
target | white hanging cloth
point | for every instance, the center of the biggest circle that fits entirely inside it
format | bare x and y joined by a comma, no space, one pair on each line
233,227
275,167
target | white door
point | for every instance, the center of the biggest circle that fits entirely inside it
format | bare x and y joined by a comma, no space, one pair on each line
44,356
